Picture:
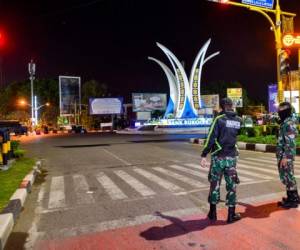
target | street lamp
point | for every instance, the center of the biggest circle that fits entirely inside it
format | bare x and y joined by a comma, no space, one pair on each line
35,108
31,70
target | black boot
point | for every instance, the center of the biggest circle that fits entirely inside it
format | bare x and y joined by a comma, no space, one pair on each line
285,199
212,214
291,201
232,216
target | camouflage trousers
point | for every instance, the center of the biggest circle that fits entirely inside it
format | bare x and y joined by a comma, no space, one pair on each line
223,166
286,175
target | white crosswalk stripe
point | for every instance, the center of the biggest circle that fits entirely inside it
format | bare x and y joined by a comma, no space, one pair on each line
57,197
189,171
192,165
81,189
134,183
159,181
261,169
180,177
267,160
297,161
110,187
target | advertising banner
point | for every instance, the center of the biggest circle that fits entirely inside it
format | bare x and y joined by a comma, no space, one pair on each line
293,98
105,106
236,95
69,95
260,3
147,102
272,93
210,101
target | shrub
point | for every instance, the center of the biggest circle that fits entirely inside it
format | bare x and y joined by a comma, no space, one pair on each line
15,145
19,153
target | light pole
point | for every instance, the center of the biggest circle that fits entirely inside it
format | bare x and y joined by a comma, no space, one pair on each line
31,70
35,107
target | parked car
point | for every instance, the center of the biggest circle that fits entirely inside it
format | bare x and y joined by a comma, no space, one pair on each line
14,127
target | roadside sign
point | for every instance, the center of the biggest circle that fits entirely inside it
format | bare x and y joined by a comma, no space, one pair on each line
236,95
291,40
260,3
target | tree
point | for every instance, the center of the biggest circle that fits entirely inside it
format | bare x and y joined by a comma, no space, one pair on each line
90,89
220,88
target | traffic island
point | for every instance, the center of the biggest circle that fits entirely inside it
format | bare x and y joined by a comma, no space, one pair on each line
15,185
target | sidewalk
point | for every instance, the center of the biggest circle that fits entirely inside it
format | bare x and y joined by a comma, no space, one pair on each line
263,226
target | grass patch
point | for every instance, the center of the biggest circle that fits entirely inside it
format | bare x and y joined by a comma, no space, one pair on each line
268,139
11,179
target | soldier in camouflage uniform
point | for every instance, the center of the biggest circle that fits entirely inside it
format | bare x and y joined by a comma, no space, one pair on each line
221,142
285,154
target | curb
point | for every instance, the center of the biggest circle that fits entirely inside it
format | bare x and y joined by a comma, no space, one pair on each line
247,146
11,212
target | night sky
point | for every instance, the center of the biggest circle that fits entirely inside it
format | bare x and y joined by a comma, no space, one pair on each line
110,40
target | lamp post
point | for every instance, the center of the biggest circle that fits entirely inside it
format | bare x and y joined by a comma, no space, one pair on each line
31,70
35,107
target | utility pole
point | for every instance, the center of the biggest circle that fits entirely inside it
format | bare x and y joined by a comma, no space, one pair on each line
276,27
31,70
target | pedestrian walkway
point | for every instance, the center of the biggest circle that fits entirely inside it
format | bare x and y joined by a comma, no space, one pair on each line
132,182
263,226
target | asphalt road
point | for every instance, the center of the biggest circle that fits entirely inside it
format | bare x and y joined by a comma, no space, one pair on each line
97,182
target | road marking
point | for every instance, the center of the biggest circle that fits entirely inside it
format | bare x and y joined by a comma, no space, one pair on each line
274,172
261,198
134,183
33,234
57,197
81,190
110,187
262,176
180,177
274,161
123,222
189,171
117,157
193,165
162,182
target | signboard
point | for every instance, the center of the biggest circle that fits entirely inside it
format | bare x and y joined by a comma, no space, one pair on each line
69,95
196,122
147,102
143,116
210,101
260,3
272,93
291,40
293,98
105,106
236,95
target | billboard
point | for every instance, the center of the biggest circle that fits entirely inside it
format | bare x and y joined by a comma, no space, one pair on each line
260,3
236,95
293,98
105,106
147,102
291,40
272,93
210,101
69,95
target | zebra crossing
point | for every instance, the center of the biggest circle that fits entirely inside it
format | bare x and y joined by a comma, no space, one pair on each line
152,181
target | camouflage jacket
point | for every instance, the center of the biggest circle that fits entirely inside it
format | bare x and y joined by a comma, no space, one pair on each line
286,142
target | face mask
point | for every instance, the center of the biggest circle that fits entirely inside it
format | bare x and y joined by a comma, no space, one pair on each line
283,114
